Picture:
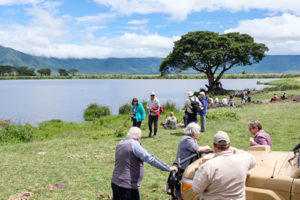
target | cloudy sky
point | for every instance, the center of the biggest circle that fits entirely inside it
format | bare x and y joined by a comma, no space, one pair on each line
141,28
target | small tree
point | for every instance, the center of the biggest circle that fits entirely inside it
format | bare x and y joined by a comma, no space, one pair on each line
73,71
63,72
45,72
212,54
25,71
9,70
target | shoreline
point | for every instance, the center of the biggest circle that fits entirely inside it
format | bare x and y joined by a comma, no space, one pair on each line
151,76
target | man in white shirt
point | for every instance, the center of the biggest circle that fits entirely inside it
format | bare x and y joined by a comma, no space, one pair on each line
223,176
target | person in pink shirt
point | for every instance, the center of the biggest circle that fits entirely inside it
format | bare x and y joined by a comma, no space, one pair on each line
260,136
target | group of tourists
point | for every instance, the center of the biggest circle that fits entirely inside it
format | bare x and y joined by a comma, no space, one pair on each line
221,177
194,106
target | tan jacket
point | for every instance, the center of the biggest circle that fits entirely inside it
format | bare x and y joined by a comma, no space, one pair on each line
224,176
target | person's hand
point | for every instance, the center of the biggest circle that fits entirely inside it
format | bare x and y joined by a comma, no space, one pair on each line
233,150
173,168
204,148
251,140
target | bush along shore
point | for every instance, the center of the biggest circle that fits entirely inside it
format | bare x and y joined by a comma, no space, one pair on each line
151,76
40,159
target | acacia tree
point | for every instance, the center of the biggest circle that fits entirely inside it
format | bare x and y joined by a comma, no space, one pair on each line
44,71
25,71
63,72
7,70
212,54
73,71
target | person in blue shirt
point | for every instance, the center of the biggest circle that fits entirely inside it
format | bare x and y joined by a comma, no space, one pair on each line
138,113
203,99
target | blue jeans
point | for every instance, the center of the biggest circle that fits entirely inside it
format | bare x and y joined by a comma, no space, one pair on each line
203,122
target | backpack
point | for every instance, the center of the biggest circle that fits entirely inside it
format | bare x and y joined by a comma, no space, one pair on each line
195,106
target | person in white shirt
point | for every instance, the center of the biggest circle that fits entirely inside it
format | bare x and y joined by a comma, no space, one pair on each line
223,176
224,101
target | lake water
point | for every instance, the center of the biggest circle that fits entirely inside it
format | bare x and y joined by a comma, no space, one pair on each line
39,100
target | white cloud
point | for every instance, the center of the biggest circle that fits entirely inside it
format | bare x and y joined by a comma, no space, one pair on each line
100,18
138,22
179,9
18,2
48,34
280,33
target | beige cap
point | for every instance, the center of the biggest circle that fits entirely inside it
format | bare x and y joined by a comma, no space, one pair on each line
221,138
152,93
190,94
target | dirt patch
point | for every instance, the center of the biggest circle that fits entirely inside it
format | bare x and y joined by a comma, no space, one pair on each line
298,79
295,98
98,157
102,196
22,196
57,186
289,99
78,156
85,156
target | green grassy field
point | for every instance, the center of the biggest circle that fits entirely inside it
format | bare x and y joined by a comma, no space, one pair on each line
81,155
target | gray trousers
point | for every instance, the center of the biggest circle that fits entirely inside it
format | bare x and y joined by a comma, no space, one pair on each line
203,123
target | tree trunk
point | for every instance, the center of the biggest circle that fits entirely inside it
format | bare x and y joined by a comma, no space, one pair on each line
213,85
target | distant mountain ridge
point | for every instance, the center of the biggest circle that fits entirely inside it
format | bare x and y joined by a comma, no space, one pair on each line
150,65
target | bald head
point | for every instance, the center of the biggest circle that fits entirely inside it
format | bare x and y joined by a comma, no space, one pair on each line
135,133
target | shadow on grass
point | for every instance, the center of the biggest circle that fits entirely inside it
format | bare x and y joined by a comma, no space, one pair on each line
177,133
146,137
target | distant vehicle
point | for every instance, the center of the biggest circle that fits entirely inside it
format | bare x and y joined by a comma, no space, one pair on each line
276,175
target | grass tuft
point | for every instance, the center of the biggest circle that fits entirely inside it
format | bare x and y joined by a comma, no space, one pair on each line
94,111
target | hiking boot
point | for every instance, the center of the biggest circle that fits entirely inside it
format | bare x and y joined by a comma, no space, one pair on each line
150,134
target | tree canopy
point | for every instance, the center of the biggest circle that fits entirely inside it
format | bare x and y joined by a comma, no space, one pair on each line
73,71
63,72
212,54
44,71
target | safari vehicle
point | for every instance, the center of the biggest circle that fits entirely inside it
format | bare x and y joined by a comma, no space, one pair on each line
276,175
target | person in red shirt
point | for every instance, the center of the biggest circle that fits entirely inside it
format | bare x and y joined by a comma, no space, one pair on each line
274,98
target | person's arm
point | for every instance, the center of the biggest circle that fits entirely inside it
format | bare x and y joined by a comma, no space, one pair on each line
201,180
259,140
194,147
143,154
143,112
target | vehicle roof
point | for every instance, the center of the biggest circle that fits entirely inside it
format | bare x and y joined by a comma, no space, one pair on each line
271,163
266,163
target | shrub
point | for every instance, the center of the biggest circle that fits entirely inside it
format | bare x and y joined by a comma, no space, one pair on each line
169,106
144,102
4,123
21,133
94,111
125,109
120,132
222,114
